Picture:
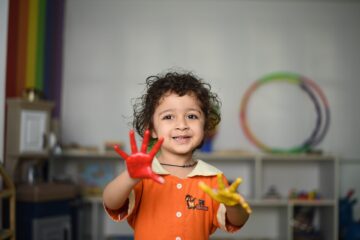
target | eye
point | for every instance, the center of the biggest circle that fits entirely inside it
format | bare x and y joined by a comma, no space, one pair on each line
167,117
192,116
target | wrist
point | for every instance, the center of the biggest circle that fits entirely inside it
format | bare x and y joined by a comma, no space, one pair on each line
128,179
244,206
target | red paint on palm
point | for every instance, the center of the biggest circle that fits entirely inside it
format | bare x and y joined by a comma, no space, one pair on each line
139,163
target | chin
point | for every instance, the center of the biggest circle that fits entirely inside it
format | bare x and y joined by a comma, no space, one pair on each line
183,151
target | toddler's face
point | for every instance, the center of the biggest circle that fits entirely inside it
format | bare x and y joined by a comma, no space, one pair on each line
180,121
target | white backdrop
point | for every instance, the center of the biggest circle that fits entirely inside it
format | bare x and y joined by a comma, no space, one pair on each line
112,46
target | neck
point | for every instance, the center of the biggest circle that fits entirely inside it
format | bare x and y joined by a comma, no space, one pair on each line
175,159
180,172
190,165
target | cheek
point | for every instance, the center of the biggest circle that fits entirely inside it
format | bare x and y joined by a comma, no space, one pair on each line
200,130
202,126
202,134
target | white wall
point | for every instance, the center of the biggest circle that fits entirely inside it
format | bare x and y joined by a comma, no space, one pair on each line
112,46
4,9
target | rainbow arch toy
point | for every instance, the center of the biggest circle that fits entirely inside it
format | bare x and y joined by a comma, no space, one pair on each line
317,97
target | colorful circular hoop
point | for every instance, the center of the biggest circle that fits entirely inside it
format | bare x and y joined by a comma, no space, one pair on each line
315,94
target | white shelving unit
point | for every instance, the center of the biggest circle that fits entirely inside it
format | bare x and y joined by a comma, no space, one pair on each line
271,218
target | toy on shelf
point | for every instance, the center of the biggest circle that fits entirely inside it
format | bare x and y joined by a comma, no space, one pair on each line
316,95
304,195
94,176
272,193
349,228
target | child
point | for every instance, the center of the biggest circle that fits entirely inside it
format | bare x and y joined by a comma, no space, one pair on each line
171,196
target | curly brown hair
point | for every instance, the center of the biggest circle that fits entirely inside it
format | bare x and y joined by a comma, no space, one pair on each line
181,84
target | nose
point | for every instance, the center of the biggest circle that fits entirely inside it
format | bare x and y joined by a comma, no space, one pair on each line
181,124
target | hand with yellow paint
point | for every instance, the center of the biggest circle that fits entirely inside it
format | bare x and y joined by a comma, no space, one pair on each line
226,195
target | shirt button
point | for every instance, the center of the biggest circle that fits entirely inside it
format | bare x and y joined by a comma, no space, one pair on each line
178,214
178,238
179,186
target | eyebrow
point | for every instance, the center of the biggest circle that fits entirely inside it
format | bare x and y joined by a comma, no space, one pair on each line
187,110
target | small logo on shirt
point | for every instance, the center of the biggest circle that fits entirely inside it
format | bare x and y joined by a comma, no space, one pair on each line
193,203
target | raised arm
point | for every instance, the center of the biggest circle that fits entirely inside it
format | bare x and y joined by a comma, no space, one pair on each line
237,209
138,166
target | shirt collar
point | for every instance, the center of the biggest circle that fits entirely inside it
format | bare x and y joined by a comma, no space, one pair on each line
201,169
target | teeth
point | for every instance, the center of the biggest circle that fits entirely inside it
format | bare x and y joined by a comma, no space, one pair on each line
180,139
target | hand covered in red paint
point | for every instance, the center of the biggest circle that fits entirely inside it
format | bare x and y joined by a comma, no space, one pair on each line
139,163
226,195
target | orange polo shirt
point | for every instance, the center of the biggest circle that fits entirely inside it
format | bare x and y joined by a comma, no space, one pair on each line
177,209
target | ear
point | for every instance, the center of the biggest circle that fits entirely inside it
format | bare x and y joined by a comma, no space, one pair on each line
153,134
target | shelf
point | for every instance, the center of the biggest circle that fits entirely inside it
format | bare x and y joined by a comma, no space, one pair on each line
83,155
268,203
315,203
286,202
297,157
285,172
225,155
241,155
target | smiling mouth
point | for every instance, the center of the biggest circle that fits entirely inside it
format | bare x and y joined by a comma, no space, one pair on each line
181,139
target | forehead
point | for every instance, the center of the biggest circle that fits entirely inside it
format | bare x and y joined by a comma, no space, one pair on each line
171,99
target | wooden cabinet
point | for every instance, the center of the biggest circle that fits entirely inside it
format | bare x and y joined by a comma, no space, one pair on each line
27,129
7,192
